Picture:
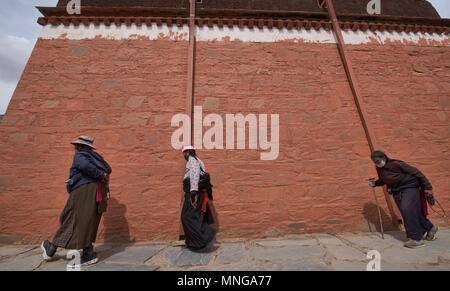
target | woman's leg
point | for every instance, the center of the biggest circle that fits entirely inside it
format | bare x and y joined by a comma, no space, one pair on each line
410,206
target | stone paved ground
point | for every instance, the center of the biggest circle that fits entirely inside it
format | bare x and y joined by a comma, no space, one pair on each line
297,253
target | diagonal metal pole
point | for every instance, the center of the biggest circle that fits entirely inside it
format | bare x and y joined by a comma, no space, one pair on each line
356,92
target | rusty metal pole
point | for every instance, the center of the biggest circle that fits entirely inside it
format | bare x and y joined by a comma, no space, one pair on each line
378,208
190,87
190,77
356,94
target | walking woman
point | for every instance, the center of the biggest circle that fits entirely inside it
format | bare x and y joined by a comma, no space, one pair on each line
88,186
195,214
406,183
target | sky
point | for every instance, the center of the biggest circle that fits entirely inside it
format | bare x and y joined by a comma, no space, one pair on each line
19,32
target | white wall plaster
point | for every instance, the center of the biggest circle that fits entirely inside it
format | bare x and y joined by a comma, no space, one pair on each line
235,33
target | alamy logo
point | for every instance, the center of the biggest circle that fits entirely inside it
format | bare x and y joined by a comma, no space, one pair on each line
375,261
74,7
74,264
374,7
213,137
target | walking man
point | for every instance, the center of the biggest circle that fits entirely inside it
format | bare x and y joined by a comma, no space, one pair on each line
88,186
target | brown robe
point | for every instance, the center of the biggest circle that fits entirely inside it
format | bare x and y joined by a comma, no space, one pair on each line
81,216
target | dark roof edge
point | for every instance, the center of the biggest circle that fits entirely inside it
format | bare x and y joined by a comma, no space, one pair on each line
235,13
131,12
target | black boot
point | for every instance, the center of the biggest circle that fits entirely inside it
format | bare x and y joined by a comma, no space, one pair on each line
89,250
48,249
89,256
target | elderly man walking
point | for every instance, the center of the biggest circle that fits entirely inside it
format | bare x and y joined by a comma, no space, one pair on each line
88,186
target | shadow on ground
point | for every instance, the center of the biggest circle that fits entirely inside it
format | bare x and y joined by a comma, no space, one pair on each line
370,212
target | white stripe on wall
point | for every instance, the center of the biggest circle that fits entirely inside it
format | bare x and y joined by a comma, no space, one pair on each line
235,33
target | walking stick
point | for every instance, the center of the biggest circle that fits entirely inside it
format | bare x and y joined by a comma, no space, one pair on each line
378,206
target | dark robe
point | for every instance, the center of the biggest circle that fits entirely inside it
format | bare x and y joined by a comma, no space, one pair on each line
197,231
410,205
405,182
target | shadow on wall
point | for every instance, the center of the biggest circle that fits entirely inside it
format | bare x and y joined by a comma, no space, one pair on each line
116,232
116,229
370,212
215,215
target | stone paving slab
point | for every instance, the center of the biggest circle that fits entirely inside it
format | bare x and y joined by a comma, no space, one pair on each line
6,251
436,268
134,254
393,237
242,266
58,265
346,253
444,233
444,257
287,242
27,261
348,266
396,267
230,253
182,256
119,267
302,265
370,242
409,256
326,239
287,253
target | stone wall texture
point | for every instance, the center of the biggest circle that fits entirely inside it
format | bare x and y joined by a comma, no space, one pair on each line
125,92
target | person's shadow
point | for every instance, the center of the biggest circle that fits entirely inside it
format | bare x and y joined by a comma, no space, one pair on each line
214,216
116,232
370,212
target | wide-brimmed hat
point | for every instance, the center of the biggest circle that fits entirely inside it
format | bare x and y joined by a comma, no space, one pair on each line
86,140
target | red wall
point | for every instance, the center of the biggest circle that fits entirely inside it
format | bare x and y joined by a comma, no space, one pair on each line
124,93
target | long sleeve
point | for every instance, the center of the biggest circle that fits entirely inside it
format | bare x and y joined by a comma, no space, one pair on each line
101,162
87,167
418,174
380,181
194,174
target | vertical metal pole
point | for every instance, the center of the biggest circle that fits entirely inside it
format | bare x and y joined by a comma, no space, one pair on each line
190,87
356,94
190,77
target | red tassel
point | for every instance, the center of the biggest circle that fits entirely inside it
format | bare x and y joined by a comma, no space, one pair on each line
205,201
98,198
424,203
